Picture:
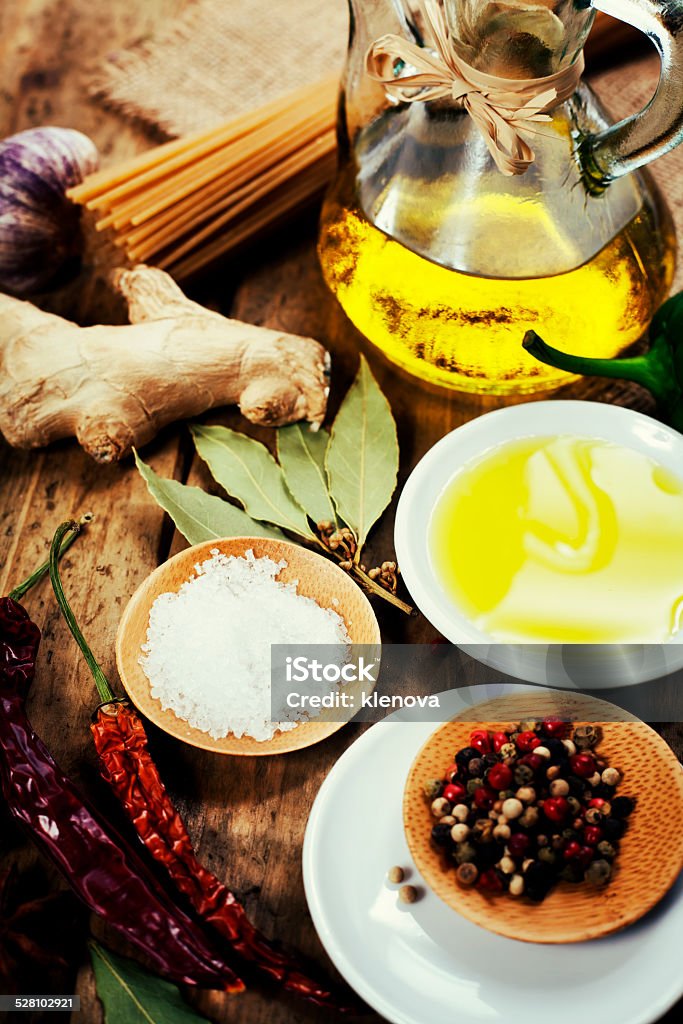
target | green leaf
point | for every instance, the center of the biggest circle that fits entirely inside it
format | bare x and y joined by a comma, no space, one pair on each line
131,994
301,452
362,456
248,471
200,516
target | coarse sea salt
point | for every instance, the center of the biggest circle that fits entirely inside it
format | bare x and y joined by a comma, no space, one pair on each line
207,655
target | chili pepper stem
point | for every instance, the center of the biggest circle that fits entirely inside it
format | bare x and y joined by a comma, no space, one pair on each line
67,529
42,570
653,371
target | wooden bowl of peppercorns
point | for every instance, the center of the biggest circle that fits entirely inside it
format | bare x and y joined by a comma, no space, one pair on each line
546,816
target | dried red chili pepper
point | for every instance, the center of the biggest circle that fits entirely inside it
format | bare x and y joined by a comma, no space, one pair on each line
127,766
101,867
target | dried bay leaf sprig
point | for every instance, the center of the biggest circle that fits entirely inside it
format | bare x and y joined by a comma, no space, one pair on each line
200,516
362,456
247,470
327,490
131,994
301,453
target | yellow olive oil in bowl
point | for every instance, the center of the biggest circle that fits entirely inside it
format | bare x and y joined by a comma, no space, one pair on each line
562,539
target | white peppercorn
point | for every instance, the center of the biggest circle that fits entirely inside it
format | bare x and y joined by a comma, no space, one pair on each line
407,894
461,812
459,833
507,865
441,807
516,887
560,787
512,808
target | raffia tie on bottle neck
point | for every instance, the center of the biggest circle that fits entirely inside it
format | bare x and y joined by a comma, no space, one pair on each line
501,108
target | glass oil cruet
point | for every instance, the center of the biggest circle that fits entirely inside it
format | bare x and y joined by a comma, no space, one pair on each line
450,230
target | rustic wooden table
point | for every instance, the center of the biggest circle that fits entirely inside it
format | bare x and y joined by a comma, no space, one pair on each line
247,816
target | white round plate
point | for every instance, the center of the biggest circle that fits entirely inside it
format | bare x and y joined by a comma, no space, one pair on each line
424,963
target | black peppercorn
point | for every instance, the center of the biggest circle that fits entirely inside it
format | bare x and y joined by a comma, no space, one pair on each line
574,805
489,854
433,788
586,736
622,806
604,791
464,852
571,873
557,750
598,872
491,759
613,828
476,767
606,850
441,835
467,874
577,786
523,774
539,879
464,756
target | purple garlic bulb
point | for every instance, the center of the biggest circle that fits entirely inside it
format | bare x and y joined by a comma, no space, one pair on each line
40,236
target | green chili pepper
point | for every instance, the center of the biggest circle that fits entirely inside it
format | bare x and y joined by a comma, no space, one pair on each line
660,370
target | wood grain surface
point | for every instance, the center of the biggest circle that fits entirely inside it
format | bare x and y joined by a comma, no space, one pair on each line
247,816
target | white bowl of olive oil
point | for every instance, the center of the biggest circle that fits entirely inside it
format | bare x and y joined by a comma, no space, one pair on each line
546,540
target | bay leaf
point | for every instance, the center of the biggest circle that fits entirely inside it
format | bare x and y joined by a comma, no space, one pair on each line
248,472
362,456
200,516
131,994
301,452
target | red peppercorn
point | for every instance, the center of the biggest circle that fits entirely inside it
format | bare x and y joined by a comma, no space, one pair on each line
499,740
583,765
572,849
483,798
592,835
454,792
598,802
585,856
452,772
499,777
556,808
480,741
489,880
518,844
555,728
526,741
534,761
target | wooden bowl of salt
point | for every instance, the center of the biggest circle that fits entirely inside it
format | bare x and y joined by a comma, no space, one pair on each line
315,577
650,856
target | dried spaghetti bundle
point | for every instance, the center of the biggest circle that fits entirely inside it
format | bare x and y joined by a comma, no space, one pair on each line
183,204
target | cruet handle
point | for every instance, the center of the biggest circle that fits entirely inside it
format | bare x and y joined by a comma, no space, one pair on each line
659,127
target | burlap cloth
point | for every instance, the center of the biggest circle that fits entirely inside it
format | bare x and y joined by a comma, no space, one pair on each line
223,57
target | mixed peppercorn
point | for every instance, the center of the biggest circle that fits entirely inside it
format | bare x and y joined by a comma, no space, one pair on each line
523,808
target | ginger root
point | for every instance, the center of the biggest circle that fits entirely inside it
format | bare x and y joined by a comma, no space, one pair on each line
114,387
